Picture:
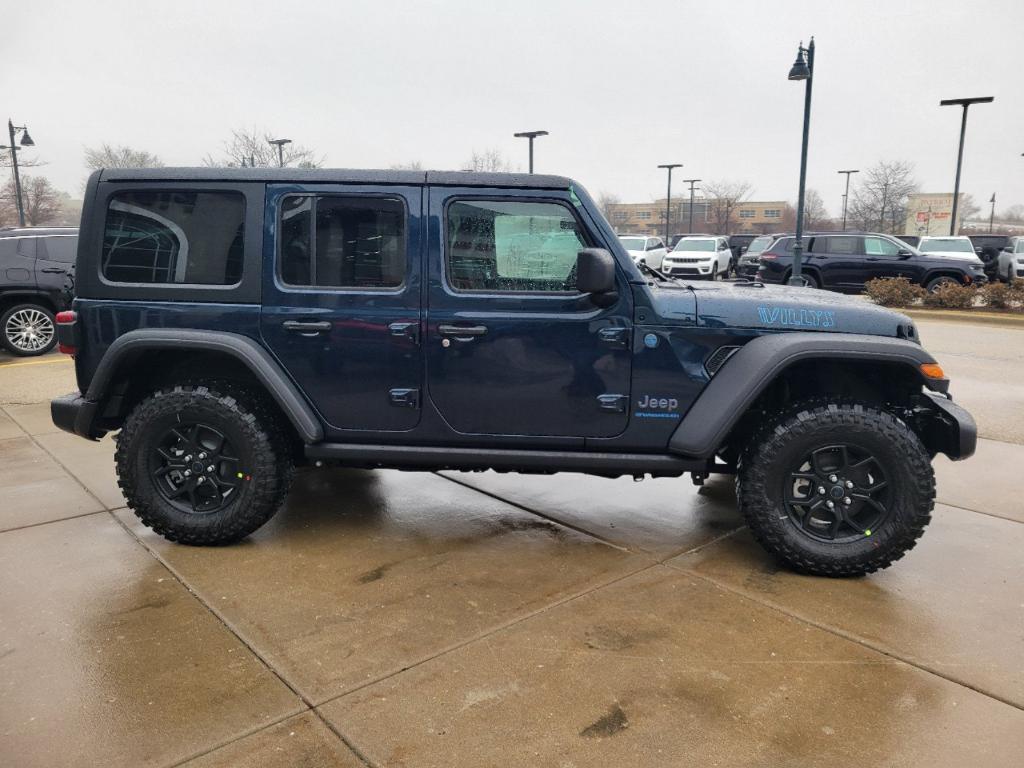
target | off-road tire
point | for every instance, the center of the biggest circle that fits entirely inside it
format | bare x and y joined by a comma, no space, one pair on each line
765,464
258,437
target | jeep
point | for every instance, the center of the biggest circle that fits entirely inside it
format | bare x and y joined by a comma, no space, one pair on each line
231,324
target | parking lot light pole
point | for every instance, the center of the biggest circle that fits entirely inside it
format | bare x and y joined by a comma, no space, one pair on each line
689,227
668,198
26,141
280,149
531,135
965,103
846,195
802,70
992,213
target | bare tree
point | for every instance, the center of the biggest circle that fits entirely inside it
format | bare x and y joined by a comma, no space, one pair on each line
490,160
605,201
815,214
723,199
879,202
252,147
1014,213
108,156
43,203
967,209
414,165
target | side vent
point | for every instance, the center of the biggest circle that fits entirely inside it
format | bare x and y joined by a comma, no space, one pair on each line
717,359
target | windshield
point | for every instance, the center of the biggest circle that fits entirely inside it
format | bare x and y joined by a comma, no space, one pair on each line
633,243
946,245
695,245
760,244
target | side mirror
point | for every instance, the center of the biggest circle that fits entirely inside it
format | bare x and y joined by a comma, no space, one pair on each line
903,253
595,271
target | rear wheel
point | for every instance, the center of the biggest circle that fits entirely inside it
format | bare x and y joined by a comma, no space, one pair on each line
28,330
201,466
836,488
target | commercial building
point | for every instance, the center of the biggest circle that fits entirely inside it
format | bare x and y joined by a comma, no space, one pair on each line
709,215
929,213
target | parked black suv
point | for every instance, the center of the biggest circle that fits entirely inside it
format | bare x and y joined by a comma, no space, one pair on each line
37,268
750,261
234,322
844,261
988,247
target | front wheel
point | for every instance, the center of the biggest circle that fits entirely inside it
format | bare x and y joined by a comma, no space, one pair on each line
938,282
201,466
836,488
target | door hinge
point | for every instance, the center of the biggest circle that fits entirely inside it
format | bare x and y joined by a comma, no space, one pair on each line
616,336
405,398
612,403
406,330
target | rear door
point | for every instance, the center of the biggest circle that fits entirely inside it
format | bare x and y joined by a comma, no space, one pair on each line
55,265
842,261
341,299
17,262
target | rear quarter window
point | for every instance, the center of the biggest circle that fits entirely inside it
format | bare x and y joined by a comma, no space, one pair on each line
174,237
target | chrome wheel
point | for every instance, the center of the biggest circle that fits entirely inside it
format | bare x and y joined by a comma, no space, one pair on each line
29,330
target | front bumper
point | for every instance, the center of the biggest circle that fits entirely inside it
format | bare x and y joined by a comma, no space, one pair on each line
947,428
687,269
747,270
75,414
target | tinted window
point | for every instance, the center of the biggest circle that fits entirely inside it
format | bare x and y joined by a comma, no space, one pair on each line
878,246
60,249
840,245
8,247
358,242
175,236
512,246
760,245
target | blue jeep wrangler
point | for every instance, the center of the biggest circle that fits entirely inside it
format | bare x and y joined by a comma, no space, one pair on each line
233,323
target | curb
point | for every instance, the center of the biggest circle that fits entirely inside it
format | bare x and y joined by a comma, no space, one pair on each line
960,316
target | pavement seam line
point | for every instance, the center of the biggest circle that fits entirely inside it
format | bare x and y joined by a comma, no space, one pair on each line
55,520
237,634
220,745
62,465
841,633
491,632
978,512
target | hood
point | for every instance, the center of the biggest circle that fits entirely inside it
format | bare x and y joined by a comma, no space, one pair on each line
957,255
634,255
778,308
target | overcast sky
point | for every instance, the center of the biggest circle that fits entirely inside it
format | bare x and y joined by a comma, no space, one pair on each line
621,86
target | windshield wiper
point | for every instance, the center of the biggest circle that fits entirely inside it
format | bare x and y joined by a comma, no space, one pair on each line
645,267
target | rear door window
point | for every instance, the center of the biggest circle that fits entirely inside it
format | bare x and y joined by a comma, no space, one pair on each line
174,236
61,248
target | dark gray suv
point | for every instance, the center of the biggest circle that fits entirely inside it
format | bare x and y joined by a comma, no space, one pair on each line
37,278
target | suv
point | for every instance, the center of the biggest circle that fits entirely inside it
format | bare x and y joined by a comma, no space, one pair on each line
37,277
1011,260
646,248
987,247
750,261
738,244
845,261
700,256
233,323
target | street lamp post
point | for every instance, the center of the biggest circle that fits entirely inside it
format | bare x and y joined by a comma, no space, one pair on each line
531,135
965,103
846,195
668,198
992,213
802,70
280,149
689,227
26,141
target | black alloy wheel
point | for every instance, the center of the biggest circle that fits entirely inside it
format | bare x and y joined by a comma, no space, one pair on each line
195,468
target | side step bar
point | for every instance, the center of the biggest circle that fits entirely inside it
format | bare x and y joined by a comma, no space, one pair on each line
434,458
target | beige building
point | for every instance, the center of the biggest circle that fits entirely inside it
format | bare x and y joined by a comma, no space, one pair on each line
708,216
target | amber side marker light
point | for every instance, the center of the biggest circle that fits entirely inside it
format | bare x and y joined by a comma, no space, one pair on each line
932,370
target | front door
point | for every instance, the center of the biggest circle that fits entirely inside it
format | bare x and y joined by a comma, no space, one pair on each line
341,300
512,347
883,259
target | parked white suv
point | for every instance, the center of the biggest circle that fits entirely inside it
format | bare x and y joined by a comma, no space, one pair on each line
699,256
1011,261
645,248
951,246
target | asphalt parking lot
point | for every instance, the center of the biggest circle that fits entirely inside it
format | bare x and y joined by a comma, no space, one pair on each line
399,619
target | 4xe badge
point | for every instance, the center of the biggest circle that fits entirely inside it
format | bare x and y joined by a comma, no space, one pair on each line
651,407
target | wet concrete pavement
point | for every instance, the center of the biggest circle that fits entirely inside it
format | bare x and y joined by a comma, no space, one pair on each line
388,618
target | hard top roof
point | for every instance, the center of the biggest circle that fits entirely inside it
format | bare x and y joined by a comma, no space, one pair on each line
37,231
339,176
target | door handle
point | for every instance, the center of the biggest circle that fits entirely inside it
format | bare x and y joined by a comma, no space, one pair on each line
405,330
53,271
461,332
306,326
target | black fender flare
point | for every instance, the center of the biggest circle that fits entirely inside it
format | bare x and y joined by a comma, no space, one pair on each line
244,349
754,366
